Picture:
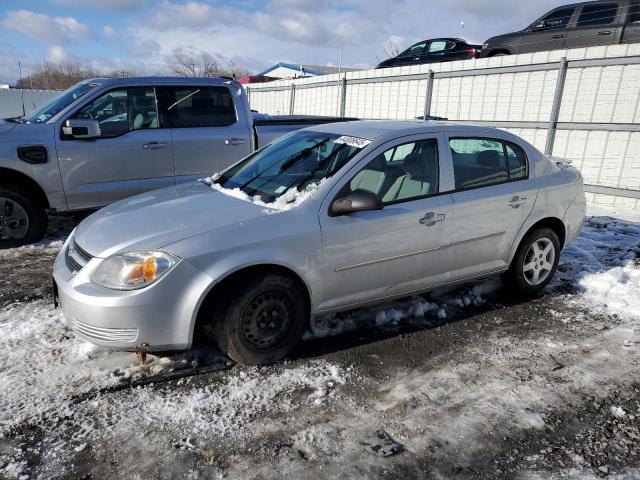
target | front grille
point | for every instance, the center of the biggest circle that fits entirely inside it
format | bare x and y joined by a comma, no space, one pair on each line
76,256
119,335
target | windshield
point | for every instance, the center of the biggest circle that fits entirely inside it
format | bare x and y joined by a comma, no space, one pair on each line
54,106
295,162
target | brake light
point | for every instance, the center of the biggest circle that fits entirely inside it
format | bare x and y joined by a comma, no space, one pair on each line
472,52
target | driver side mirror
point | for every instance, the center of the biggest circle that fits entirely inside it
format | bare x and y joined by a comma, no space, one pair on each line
81,129
356,201
542,25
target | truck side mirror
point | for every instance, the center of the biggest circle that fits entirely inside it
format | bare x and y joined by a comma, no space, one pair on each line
81,129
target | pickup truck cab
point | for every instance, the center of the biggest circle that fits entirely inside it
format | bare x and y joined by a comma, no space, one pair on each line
103,140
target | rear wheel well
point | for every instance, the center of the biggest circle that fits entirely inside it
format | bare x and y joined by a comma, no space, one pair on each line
13,178
554,224
226,285
499,52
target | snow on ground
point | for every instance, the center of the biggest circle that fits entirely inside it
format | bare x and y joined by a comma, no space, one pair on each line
53,384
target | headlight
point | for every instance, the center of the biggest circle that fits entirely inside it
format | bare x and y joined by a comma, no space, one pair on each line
132,270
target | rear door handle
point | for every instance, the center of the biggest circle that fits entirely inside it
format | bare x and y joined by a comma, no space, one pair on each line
431,218
235,141
517,201
154,145
607,32
558,36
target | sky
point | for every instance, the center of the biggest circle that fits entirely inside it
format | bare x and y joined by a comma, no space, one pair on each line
139,35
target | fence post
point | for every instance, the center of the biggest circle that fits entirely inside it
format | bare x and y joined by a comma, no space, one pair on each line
292,98
343,97
555,109
428,95
248,90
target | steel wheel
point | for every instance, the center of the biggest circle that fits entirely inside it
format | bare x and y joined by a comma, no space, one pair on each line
14,221
266,320
539,261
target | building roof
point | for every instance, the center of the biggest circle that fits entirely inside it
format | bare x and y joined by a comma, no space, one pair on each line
310,69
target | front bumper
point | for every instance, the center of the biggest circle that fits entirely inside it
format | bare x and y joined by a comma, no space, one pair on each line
161,315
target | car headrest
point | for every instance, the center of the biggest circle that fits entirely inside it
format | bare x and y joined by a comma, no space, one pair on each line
488,158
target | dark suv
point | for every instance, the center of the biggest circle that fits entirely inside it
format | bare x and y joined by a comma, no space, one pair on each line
605,22
434,50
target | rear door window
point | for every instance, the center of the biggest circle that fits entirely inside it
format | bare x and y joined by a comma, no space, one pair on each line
633,15
193,107
559,18
481,162
599,14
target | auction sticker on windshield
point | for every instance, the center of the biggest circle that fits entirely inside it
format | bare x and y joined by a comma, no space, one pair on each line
353,141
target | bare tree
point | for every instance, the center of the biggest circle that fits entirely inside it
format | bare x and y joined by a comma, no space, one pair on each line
392,49
51,76
203,64
185,64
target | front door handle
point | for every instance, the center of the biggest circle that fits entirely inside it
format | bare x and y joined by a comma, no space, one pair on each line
558,36
154,145
606,32
517,201
431,218
235,141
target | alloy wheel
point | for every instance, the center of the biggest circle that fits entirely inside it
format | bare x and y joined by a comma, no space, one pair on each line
539,261
14,221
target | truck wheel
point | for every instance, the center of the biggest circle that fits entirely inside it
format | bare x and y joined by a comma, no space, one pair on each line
535,262
22,218
261,320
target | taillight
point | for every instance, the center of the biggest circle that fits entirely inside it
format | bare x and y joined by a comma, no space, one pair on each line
472,52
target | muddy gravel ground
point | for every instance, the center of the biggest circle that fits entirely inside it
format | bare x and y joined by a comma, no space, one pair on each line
464,384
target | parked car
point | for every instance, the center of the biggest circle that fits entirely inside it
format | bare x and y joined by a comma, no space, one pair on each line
606,22
435,50
325,219
106,139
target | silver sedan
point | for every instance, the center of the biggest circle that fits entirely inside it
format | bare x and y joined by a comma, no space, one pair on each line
325,219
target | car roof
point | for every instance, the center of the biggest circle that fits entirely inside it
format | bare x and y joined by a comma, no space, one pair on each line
381,129
157,80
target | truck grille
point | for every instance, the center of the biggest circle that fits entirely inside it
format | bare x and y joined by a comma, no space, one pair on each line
120,335
76,257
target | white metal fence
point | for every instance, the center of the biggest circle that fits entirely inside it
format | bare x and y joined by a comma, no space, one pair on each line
580,104
13,100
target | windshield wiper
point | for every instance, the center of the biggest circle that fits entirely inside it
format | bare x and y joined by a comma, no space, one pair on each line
318,166
19,119
300,155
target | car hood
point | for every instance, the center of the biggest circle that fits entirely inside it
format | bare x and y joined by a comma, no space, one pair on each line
158,218
6,127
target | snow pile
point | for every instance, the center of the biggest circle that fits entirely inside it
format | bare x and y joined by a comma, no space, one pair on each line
51,380
427,310
46,246
604,265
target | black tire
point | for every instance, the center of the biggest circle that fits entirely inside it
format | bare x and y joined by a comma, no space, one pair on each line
499,54
18,199
240,319
525,275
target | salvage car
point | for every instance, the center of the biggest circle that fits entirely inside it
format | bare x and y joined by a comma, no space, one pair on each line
106,139
325,219
432,51
587,24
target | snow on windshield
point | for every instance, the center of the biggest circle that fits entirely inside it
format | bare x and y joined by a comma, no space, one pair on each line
290,199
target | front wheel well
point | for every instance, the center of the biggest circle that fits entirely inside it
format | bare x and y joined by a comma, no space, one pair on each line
10,178
225,287
554,224
499,51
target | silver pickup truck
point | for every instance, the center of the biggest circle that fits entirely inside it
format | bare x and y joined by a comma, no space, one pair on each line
106,139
